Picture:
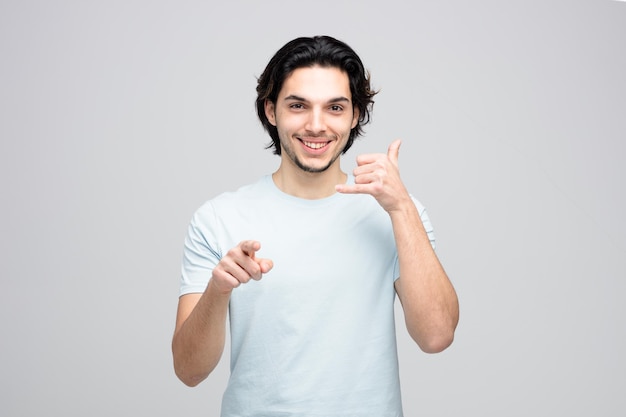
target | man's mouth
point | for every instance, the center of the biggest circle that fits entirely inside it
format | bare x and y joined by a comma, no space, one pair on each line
314,145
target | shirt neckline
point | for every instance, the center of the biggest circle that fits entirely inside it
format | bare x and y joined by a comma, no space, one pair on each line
271,185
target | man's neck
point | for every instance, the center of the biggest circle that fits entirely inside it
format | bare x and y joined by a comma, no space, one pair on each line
308,185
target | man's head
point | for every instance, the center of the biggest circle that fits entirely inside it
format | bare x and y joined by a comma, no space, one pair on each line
325,52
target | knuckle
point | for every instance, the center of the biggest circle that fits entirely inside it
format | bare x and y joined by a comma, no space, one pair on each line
254,271
219,271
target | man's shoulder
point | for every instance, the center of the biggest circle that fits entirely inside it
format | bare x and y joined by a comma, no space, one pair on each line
244,194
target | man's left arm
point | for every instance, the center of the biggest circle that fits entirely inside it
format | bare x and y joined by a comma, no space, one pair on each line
429,301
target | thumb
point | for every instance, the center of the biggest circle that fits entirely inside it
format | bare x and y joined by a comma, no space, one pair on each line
394,150
249,247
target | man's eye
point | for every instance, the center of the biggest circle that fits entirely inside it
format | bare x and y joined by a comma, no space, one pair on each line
336,108
296,106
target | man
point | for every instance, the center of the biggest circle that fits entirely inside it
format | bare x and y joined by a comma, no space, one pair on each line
312,321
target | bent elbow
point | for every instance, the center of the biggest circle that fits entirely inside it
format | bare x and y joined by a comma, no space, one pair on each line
191,380
435,343
188,373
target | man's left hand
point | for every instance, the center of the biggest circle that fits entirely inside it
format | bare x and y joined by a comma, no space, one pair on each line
378,175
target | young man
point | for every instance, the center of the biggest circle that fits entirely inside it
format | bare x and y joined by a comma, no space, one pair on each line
312,320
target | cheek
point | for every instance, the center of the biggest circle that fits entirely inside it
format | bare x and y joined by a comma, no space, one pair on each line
288,124
348,125
284,130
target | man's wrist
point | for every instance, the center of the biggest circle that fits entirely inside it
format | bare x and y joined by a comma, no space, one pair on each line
214,290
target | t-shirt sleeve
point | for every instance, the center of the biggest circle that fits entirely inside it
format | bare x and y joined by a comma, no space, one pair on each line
200,253
426,222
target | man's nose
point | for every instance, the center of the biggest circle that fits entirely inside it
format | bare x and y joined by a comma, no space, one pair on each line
316,122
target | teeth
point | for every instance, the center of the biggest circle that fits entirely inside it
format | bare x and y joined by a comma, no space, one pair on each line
315,145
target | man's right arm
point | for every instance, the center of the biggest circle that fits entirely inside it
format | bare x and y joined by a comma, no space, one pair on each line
199,337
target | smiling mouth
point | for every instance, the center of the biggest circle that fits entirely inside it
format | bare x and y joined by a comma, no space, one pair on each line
314,145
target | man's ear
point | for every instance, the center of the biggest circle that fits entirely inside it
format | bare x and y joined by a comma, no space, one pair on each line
355,117
270,111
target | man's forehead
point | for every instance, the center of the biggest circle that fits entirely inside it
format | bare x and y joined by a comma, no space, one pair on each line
317,82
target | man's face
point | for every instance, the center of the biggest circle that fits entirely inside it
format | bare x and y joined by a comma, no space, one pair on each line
313,114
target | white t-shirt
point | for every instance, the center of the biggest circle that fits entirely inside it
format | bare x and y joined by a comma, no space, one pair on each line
316,335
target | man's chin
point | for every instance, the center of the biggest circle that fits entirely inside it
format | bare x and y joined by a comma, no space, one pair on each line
312,169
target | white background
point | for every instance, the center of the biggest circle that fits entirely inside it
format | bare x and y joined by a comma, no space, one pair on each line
119,118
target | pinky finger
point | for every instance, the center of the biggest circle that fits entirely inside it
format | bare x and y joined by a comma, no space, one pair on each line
349,189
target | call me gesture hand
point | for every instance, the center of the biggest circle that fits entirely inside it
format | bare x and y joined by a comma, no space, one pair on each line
379,176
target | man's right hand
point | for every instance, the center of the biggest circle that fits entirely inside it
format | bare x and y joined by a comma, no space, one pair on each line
201,319
239,266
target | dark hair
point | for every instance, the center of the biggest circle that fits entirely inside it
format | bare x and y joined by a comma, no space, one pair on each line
308,52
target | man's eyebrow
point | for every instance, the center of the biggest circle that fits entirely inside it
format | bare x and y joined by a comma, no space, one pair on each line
333,100
294,97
